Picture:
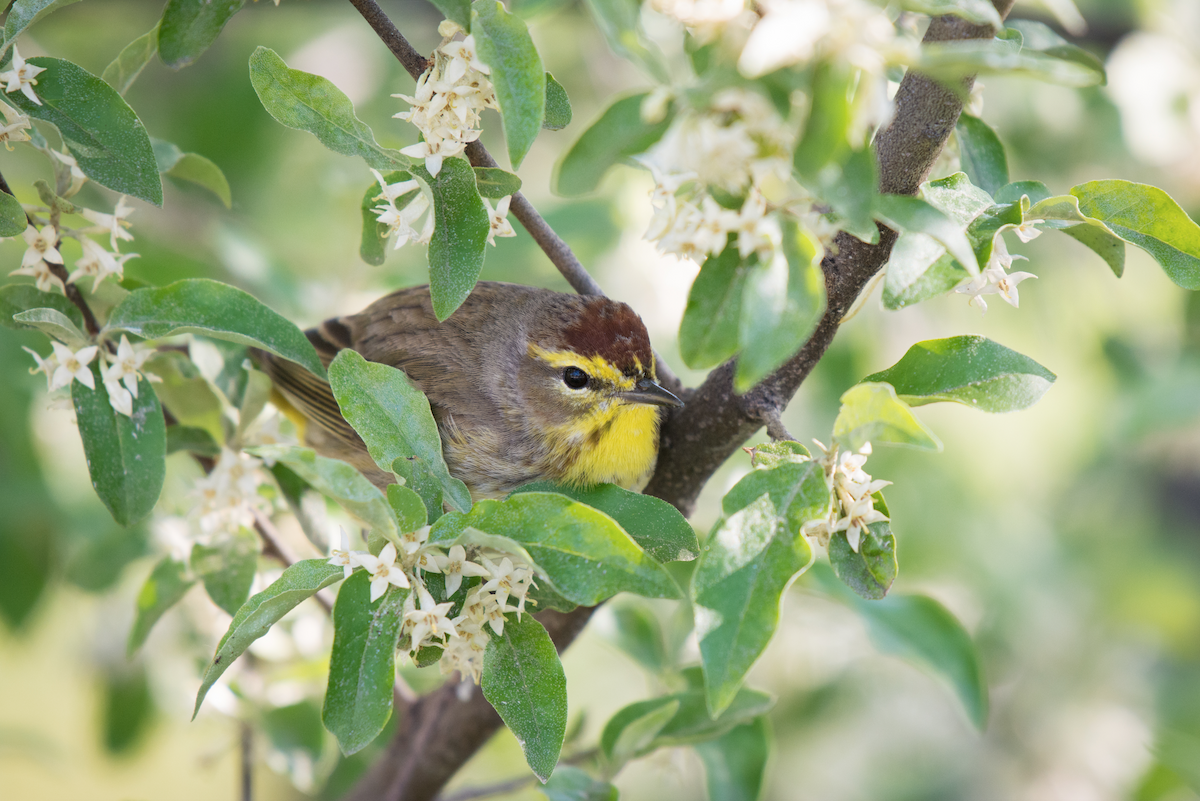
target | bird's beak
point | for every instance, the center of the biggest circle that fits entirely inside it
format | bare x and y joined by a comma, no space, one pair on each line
647,391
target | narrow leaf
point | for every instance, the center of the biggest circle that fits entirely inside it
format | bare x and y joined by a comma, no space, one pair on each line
691,722
55,324
99,128
558,106
651,522
17,298
164,588
193,440
524,681
747,562
129,63
873,413
1093,233
735,765
189,27
311,103
983,157
126,455
950,62
460,232
504,45
637,632
619,133
495,183
227,568
362,664
618,21
971,370
298,582
196,169
12,216
708,334
339,481
408,507
393,417
572,784
1148,217
1037,37
203,306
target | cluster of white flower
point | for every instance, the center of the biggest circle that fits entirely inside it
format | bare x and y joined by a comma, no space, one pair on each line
63,366
995,278
853,508
464,637
448,100
228,496
96,262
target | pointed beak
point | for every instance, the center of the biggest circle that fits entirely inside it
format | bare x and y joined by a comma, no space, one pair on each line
649,392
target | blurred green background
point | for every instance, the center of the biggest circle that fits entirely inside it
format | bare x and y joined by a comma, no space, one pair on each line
1066,538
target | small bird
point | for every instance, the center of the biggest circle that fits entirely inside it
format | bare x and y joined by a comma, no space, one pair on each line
525,384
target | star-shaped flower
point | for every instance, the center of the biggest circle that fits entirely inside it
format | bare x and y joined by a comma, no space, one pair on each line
382,569
343,557
47,365
498,220
42,246
112,224
126,367
22,76
454,566
73,366
15,127
430,620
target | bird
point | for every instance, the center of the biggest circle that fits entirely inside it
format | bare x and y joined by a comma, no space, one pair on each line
525,384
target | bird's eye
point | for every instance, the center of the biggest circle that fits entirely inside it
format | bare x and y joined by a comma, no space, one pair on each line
575,378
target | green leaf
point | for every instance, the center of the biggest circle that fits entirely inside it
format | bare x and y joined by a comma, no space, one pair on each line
504,45
558,106
782,302
298,582
618,21
582,552
456,11
13,221
311,103
618,134
53,323
871,569
826,132
362,665
421,479
991,221
956,197
873,413
375,233
227,568
189,398
1064,210
128,708
691,722
459,236
920,629
16,298
919,269
633,736
736,763
196,169
103,134
950,62
1148,217
797,489
126,455
1103,243
637,632
189,27
979,12
971,370
773,454
165,586
651,522
1011,193
193,440
524,681
748,561
495,183
296,729
982,153
913,215
569,783
393,418
203,306
25,13
339,481
409,508
1037,37
129,63
708,334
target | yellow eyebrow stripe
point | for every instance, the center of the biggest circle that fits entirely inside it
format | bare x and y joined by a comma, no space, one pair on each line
594,366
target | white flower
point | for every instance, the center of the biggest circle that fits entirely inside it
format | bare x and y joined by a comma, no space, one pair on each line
73,366
126,367
464,652
21,77
401,222
342,557
756,231
504,577
704,17
382,569
390,192
77,175
16,126
430,620
112,224
1027,230
498,220
860,515
454,566
412,541
45,280
463,57
42,246
98,264
228,496
47,365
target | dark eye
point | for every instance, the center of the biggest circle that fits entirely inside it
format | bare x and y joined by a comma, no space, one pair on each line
575,378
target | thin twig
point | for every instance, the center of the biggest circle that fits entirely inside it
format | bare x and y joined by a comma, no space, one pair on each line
776,430
58,271
513,784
